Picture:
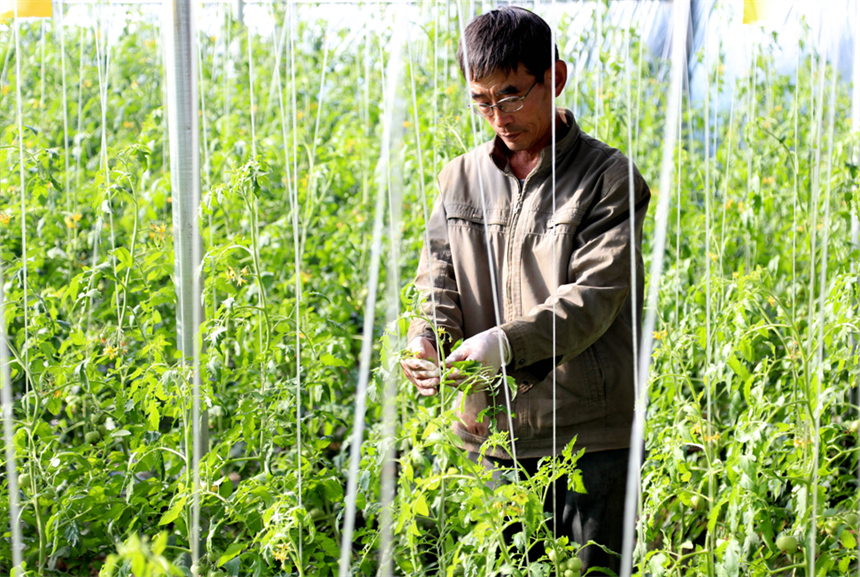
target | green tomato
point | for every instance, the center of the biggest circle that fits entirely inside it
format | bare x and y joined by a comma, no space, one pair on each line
213,557
569,573
316,514
551,554
24,481
831,526
852,519
103,431
92,437
787,544
697,502
574,563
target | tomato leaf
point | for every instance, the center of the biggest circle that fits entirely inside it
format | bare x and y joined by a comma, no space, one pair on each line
231,552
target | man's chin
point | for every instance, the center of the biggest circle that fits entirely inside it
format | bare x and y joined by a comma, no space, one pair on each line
514,144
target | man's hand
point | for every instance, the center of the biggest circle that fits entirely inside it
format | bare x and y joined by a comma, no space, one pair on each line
422,369
490,348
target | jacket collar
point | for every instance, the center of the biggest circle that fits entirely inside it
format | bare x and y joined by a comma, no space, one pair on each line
564,143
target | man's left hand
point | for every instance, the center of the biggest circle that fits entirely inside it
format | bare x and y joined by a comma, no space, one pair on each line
490,348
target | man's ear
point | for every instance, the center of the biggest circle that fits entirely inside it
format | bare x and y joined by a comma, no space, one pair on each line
560,75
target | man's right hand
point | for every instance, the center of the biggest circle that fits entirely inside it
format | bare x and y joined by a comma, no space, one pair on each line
422,370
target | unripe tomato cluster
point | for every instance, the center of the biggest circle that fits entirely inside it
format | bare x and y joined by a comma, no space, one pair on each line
570,568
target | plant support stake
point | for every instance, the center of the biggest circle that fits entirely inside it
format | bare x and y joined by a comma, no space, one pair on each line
182,105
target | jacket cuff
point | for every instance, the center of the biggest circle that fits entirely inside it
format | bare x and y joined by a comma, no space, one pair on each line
523,366
519,337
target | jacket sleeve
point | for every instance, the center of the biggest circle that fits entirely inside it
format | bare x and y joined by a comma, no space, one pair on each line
600,271
437,284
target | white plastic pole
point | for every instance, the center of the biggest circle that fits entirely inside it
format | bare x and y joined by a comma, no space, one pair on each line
393,78
681,11
182,103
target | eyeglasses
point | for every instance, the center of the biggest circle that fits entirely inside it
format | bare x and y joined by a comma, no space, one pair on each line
505,105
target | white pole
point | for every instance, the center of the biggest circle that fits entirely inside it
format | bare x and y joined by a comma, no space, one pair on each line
182,107
393,78
681,11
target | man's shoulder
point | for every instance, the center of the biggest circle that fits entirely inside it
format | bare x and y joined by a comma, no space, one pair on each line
464,165
612,164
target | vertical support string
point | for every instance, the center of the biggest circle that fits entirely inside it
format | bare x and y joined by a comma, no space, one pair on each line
355,442
598,88
681,10
634,296
726,184
297,258
78,142
9,431
62,28
491,259
855,223
709,425
822,295
554,276
23,185
794,203
426,212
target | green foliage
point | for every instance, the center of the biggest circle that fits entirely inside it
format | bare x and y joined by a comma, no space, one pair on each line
103,395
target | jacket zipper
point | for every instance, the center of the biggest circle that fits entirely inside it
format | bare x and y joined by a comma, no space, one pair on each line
508,258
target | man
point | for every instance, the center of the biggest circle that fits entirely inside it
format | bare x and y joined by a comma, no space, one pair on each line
576,257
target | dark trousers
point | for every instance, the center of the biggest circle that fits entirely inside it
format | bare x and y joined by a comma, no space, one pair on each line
597,515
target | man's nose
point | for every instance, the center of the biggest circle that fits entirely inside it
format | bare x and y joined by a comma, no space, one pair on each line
499,118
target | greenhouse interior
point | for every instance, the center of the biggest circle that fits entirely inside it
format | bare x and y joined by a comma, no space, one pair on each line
447,288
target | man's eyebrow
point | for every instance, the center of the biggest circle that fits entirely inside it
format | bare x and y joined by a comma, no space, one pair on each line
509,89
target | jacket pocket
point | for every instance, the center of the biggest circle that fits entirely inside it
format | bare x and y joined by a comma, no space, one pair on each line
565,221
469,216
596,379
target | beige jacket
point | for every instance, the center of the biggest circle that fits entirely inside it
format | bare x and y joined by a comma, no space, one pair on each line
591,283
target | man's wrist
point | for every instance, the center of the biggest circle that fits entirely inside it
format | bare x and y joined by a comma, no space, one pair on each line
506,347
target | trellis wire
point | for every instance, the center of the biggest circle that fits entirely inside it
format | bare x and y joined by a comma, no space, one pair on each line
79,152
631,190
291,8
293,207
709,439
822,294
554,276
680,16
726,183
62,27
855,224
794,199
370,305
426,213
9,427
23,185
491,259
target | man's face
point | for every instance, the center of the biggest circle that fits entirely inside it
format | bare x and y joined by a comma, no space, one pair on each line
529,128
